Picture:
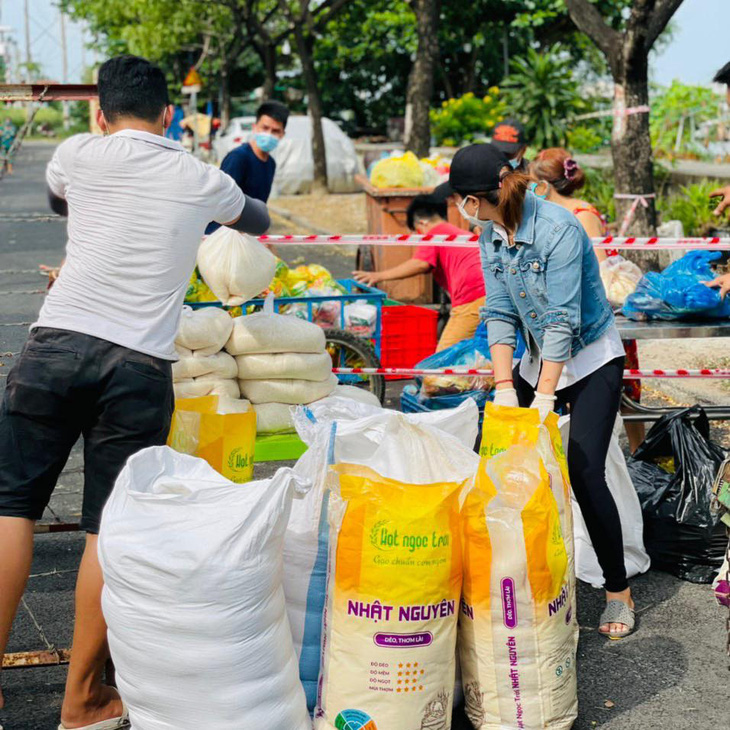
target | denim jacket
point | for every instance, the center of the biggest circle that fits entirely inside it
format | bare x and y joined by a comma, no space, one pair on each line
547,284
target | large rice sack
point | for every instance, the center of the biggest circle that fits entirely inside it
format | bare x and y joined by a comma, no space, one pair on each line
205,330
517,629
269,332
296,365
389,651
193,599
293,392
221,365
235,267
422,447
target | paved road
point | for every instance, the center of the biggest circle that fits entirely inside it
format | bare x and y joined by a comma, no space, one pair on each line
672,675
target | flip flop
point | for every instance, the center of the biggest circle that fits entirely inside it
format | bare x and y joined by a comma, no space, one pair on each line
617,612
114,723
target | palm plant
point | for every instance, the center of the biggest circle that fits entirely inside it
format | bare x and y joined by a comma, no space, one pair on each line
542,91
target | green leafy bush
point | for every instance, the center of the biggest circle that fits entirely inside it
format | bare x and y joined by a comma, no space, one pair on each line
467,118
692,205
599,190
544,94
585,139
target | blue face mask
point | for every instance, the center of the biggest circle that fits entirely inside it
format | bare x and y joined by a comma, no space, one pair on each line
266,142
514,163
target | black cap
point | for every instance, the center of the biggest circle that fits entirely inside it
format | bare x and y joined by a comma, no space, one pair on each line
509,136
476,168
443,191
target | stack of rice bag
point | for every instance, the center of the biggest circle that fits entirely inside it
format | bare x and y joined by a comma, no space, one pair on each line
280,361
203,367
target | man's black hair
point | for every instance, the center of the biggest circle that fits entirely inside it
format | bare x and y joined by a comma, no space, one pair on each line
130,86
723,75
275,110
426,206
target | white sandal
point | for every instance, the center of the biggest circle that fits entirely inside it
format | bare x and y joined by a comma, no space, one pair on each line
113,723
617,612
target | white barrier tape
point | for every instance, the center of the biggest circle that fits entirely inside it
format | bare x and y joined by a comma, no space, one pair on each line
628,111
631,374
631,212
471,241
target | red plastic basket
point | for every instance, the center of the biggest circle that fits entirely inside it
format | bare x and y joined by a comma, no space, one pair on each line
409,335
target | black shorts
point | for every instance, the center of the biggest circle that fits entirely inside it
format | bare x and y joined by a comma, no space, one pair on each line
67,385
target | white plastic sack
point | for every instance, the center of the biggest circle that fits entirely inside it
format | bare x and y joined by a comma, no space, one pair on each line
221,365
268,332
294,165
190,389
205,330
338,429
636,558
293,392
620,278
236,267
193,599
297,365
362,395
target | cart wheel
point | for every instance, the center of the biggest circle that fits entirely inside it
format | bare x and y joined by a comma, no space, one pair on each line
349,351
365,260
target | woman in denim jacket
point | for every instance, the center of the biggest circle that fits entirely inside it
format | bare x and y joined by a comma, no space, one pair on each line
542,279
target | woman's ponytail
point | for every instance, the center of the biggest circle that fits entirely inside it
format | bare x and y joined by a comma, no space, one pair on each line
511,199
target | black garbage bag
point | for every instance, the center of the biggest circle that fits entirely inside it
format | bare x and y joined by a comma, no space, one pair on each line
673,472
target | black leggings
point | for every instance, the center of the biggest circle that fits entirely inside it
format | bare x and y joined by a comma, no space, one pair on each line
594,404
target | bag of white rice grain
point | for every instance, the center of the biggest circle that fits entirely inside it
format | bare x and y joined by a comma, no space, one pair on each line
297,365
392,603
517,630
236,267
294,392
205,330
222,365
269,332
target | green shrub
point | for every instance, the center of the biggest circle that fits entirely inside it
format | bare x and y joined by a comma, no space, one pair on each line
543,92
585,139
467,118
693,206
599,190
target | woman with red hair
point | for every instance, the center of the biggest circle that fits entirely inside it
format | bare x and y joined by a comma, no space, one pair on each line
557,178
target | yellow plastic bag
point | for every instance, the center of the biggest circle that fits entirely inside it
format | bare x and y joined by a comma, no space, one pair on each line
226,441
403,171
517,629
392,603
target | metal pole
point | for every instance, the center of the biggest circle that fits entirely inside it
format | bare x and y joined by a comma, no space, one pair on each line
28,58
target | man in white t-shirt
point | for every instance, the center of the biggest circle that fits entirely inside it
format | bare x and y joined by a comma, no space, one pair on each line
98,361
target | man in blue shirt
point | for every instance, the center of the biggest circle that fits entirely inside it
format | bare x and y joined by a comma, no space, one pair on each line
251,164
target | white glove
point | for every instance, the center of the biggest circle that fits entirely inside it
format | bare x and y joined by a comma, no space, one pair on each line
544,404
506,397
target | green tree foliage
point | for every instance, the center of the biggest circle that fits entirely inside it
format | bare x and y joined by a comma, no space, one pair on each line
468,118
670,115
692,206
544,94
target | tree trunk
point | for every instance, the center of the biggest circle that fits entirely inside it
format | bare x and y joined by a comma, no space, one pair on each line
633,165
270,63
420,80
319,155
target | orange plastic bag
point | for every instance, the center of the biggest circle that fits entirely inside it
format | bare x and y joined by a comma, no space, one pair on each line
225,440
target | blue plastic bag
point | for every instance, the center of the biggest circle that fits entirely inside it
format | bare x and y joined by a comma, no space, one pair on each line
678,291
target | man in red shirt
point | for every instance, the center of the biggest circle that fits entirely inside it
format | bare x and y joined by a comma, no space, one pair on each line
457,270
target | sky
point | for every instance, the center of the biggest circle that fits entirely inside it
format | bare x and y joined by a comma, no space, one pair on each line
699,48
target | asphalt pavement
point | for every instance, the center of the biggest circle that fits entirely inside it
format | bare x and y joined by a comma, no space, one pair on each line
671,675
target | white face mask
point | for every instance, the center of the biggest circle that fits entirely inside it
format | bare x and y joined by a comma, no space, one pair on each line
471,218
